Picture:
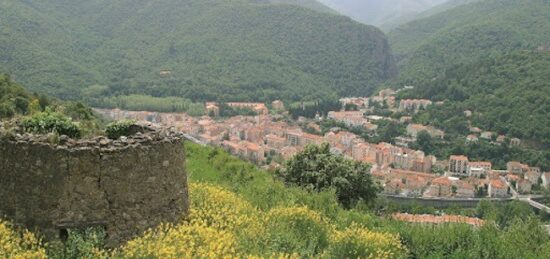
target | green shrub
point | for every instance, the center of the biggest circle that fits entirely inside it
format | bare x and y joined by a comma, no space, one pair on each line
118,129
359,242
87,243
297,229
316,168
48,122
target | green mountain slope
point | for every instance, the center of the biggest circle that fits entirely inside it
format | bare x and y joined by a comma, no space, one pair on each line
215,50
426,47
481,56
508,94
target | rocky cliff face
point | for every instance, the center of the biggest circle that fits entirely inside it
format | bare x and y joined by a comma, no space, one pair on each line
125,186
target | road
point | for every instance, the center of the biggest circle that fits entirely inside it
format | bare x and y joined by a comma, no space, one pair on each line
527,198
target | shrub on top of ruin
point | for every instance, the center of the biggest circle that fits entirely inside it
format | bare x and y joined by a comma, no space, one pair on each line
118,129
50,122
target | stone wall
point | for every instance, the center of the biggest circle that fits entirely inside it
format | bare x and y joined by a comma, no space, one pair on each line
125,186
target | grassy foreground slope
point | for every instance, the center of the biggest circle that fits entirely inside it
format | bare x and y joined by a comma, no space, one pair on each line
239,210
215,50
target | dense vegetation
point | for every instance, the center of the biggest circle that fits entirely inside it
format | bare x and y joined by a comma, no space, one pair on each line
137,102
14,99
427,47
490,57
234,50
508,94
317,169
51,122
240,210
42,114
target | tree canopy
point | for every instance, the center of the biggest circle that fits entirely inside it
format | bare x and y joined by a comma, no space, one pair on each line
316,168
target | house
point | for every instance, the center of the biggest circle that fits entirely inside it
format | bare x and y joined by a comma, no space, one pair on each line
501,139
516,167
414,105
486,165
350,118
468,113
165,72
293,137
212,109
278,105
441,187
479,169
487,135
458,164
497,188
475,130
275,142
464,189
533,175
545,180
471,138
253,152
414,129
523,186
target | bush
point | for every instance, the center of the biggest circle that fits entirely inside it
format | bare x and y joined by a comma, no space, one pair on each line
86,243
48,122
118,129
15,244
297,229
183,241
316,168
358,242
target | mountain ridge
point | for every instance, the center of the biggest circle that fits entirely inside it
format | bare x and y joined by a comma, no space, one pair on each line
235,50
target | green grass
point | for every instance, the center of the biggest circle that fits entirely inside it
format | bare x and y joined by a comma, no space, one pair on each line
518,233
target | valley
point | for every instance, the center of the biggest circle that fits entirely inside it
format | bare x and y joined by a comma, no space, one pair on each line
274,129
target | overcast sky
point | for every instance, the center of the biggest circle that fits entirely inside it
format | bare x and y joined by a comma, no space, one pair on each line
378,12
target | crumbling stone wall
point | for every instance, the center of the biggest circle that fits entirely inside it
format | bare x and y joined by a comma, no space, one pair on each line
125,186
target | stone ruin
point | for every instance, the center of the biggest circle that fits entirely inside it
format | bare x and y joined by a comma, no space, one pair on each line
125,186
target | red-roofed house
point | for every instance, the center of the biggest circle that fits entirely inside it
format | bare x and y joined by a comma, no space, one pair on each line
498,189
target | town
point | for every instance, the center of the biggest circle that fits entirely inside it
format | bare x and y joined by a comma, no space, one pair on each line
269,138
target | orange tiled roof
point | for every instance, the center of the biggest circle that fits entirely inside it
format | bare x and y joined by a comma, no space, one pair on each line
443,181
497,183
437,219
457,157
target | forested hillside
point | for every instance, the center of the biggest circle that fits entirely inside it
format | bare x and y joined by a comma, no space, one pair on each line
210,50
490,57
508,94
425,48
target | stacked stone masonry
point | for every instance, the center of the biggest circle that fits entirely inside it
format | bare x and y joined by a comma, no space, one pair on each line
125,186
